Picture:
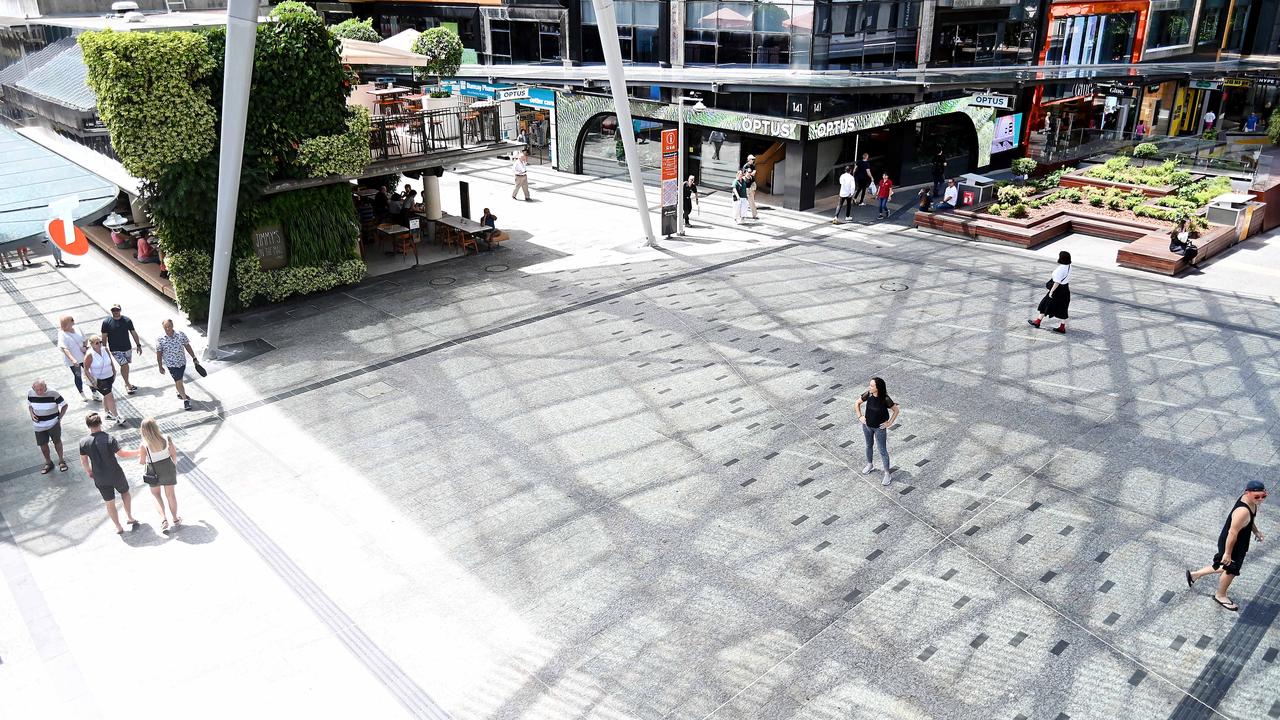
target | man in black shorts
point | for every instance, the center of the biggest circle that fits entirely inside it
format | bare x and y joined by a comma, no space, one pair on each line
98,455
118,329
1233,542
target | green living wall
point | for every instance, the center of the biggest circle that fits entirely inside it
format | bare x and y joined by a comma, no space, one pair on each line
160,96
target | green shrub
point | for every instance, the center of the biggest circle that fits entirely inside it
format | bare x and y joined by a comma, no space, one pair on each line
443,50
1052,180
1023,166
1273,127
190,271
1158,213
153,95
1146,150
1117,164
356,29
1012,194
276,285
320,223
1070,195
1018,211
344,154
1097,199
996,209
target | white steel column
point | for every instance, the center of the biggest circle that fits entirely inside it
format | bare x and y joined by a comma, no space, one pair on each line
242,35
618,87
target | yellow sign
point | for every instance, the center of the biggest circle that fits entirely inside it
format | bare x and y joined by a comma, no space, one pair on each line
1236,82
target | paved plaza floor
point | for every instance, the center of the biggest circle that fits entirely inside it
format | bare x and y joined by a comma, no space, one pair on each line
577,478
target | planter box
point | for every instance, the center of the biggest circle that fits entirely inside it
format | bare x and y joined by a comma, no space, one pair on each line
1079,181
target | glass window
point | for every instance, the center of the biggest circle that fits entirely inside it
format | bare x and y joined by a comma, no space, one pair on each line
1092,39
1170,28
637,31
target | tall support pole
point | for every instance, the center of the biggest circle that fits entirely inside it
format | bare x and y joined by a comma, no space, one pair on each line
618,88
242,35
680,164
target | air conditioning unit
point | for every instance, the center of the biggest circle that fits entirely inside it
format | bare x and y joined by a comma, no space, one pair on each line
124,7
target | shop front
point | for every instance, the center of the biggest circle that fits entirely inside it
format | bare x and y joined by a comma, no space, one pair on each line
797,161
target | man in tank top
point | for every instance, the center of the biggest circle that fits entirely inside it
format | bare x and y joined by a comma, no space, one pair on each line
1233,543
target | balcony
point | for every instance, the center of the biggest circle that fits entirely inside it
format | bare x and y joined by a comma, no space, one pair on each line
429,132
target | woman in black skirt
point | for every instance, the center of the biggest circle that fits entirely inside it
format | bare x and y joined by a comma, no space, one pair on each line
1055,302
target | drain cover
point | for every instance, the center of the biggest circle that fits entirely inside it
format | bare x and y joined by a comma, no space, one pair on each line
893,286
442,281
496,268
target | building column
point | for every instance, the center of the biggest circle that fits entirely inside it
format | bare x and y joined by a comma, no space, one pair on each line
924,41
664,32
431,195
675,34
805,174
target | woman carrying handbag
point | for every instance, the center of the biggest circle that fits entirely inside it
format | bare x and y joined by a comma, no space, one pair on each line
160,456
1055,302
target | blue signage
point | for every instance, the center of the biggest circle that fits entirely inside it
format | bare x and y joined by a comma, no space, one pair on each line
538,97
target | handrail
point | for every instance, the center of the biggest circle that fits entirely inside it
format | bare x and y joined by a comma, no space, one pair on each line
424,131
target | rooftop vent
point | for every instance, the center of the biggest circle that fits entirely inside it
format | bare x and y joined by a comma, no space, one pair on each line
122,7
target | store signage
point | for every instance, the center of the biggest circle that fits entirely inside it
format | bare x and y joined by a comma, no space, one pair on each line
1119,91
1000,102
1237,82
670,180
1205,85
269,244
504,94
1008,133
738,122
774,127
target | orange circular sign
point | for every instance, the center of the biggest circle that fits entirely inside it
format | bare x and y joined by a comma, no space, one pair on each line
79,244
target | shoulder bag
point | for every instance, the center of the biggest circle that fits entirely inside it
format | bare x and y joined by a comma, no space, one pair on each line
150,476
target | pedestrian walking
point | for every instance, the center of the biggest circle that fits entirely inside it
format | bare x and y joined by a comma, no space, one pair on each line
863,177
169,356
117,329
939,172
1055,302
74,346
98,454
57,254
47,409
520,167
877,412
100,374
159,454
1209,118
750,169
689,192
717,139
1233,543
847,188
884,193
739,197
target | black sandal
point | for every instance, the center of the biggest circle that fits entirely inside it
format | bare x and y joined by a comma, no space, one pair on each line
1229,605
62,466
47,469
1190,580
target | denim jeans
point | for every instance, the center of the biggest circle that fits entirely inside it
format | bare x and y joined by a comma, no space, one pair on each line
75,373
877,436
884,205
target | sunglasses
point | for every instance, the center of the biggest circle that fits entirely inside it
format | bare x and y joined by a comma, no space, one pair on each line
95,342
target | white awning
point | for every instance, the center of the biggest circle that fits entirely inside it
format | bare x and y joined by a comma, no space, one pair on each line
359,52
402,40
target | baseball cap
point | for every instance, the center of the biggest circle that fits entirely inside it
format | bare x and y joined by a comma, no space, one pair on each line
115,306
1255,486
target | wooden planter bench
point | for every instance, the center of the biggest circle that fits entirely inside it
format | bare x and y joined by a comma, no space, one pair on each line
1146,248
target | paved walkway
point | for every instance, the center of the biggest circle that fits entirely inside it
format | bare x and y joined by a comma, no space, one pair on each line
578,478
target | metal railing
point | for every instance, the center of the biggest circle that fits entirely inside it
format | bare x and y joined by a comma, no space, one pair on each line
419,133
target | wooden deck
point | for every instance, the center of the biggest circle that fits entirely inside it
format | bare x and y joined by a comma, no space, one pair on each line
100,237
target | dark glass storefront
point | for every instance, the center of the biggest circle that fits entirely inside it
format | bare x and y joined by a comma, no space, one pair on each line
964,38
865,35
638,22
1092,39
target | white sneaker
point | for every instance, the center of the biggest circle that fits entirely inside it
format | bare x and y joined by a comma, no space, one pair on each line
867,469
96,396
887,477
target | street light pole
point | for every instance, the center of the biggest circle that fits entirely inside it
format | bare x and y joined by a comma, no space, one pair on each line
680,156
608,26
242,35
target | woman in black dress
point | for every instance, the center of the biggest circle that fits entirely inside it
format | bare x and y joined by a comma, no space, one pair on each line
1055,302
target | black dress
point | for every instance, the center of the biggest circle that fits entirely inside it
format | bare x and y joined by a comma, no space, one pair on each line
1056,306
1241,547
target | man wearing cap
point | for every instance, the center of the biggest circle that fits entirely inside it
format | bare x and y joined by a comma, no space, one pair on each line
750,169
1233,543
117,329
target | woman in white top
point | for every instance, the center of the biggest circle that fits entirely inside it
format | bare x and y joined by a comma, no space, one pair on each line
157,452
1055,302
73,346
100,371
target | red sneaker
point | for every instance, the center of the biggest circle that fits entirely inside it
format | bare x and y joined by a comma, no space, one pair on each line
1061,329
1033,323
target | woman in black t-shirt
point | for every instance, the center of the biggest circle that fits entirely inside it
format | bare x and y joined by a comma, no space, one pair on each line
877,412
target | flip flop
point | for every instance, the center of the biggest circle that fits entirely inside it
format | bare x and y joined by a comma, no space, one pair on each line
1190,580
46,469
1228,605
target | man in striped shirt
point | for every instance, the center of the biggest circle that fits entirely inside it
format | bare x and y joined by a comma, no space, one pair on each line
47,408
